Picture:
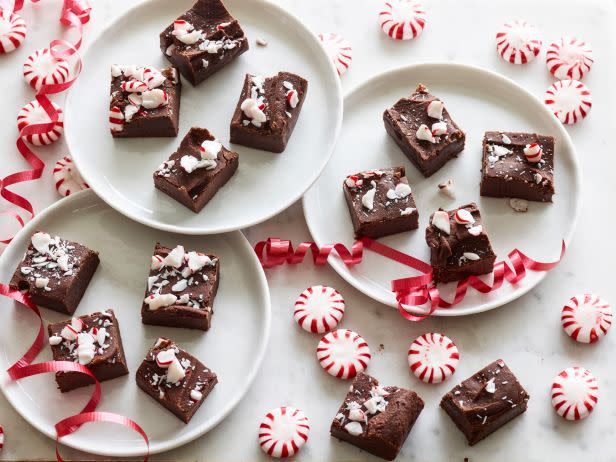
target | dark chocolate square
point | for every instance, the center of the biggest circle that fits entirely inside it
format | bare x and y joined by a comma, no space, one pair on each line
380,202
92,340
181,386
506,172
145,101
54,272
181,288
278,100
203,40
402,122
464,250
376,419
486,401
191,175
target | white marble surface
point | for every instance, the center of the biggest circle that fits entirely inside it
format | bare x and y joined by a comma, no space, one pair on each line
525,333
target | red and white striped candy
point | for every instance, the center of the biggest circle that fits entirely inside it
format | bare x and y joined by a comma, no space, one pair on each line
116,119
153,78
319,309
292,98
518,42
283,431
569,58
1,438
586,318
33,114
12,31
569,100
133,86
67,178
463,217
41,68
533,152
339,51
343,353
575,393
433,357
402,19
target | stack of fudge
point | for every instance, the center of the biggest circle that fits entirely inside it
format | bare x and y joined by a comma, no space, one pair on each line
145,102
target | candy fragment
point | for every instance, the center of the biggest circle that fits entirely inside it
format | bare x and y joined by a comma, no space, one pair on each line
34,114
586,318
283,431
433,357
533,153
343,353
41,68
569,58
569,100
339,51
575,393
518,42
402,19
319,309
12,31
66,177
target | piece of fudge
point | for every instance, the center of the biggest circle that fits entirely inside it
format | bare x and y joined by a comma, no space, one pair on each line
486,401
203,40
380,202
181,288
459,244
197,170
267,111
145,101
176,379
422,127
92,340
518,165
376,419
54,272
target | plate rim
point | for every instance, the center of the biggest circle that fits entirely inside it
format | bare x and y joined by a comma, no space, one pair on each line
263,286
338,105
338,265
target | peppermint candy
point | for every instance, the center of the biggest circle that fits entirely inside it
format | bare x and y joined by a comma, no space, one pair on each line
433,357
440,220
67,178
116,119
424,133
133,86
153,78
402,19
463,217
586,318
41,68
533,153
569,100
343,353
569,58
152,99
12,31
34,114
319,309
518,42
575,393
283,431
339,51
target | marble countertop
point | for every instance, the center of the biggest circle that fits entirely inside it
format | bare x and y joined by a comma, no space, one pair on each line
526,333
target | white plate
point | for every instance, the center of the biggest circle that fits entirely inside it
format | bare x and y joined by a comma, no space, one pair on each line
479,100
120,171
233,348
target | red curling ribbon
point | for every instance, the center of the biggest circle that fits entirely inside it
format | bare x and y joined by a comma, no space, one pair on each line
75,13
274,252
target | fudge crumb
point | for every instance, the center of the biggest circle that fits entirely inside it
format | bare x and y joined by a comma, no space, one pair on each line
261,42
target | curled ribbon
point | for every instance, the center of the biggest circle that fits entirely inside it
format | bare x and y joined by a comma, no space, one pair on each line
75,13
23,368
411,292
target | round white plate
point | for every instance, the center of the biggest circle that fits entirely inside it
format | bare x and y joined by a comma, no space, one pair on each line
478,100
233,347
120,170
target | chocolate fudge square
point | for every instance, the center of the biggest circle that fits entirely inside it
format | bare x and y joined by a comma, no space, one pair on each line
380,202
92,340
376,419
203,40
197,170
54,272
145,101
267,111
486,401
181,288
422,127
459,244
174,378
518,165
